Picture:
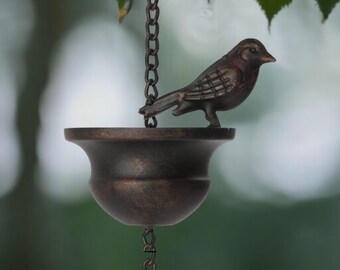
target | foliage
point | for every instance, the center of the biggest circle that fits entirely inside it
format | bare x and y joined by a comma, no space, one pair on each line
124,8
326,7
270,7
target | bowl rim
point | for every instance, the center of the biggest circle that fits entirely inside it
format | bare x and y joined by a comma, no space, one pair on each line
148,134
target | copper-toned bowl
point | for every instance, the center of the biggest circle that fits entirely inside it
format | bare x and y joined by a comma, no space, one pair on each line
149,177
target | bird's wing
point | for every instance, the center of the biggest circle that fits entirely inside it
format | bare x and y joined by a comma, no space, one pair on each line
216,83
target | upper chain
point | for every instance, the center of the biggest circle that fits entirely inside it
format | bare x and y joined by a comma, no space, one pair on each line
151,57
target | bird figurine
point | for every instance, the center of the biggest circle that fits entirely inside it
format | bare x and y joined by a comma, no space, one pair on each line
221,87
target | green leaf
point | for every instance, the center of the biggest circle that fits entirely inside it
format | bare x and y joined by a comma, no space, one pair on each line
272,7
124,8
326,7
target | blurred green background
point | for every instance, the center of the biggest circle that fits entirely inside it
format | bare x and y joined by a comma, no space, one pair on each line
275,195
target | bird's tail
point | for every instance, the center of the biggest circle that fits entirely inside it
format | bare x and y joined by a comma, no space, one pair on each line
160,104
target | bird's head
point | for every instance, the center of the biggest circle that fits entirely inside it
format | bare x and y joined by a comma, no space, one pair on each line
253,52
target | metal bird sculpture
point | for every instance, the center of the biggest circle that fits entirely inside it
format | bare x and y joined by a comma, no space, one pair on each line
221,87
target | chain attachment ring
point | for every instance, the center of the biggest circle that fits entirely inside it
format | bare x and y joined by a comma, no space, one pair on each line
151,57
149,240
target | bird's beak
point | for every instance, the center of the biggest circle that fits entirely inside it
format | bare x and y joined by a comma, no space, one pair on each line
267,58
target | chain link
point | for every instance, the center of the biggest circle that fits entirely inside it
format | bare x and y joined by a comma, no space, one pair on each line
149,240
151,57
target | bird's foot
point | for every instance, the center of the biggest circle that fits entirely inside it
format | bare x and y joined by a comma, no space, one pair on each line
214,126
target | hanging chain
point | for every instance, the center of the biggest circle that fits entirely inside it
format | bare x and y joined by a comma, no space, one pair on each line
151,94
149,240
151,57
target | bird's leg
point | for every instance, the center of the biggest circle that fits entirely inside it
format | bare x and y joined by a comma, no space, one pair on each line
211,116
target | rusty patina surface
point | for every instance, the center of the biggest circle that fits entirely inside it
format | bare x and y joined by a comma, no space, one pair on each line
149,177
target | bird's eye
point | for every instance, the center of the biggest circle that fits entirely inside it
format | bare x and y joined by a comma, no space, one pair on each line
252,50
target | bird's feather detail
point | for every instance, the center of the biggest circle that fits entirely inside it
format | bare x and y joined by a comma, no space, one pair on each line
213,85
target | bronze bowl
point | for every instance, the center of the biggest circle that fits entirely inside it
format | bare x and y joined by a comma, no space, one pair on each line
149,177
